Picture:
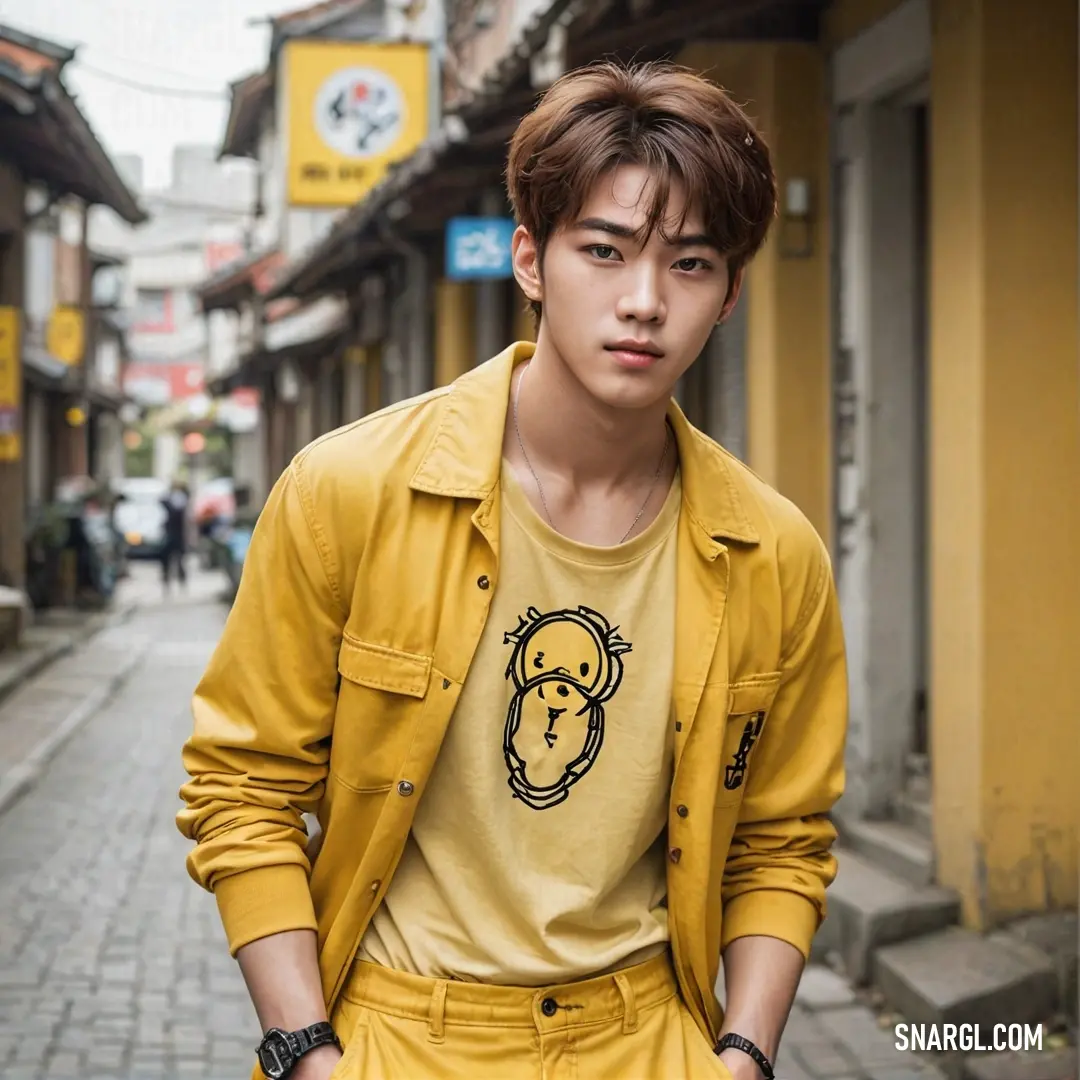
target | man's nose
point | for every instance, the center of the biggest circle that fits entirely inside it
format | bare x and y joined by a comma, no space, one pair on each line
643,299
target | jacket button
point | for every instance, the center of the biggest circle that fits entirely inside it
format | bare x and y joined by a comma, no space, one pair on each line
548,1006
675,854
682,811
446,684
405,788
483,582
375,886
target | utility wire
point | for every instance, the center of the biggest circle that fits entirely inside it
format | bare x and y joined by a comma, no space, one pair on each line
152,88
116,60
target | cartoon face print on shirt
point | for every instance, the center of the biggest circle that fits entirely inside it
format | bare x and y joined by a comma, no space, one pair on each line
565,666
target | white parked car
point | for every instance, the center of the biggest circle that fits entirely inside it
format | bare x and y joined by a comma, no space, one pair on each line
140,517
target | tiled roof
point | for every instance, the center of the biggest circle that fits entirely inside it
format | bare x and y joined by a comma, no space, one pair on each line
43,130
26,60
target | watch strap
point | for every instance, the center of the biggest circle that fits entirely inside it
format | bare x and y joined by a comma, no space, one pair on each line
307,1039
731,1041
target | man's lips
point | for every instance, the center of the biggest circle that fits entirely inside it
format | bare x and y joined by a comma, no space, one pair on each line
640,350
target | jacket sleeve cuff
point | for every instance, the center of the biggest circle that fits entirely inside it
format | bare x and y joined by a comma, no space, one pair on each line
266,900
774,913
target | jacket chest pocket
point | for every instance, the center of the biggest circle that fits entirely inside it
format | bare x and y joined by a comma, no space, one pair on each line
749,702
381,696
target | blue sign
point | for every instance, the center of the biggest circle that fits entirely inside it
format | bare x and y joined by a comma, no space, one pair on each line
478,247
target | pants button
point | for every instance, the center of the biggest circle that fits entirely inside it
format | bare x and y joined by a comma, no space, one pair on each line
548,1006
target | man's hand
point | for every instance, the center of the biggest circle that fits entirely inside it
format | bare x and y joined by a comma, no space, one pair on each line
318,1064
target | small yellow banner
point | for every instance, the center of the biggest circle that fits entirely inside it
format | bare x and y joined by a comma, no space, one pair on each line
353,109
10,384
65,337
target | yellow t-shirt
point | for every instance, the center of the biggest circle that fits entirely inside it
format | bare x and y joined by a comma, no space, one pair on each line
537,855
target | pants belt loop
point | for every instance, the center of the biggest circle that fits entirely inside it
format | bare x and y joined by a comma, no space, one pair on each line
626,992
437,1013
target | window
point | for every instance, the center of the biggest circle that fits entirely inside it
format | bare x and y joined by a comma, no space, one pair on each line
153,311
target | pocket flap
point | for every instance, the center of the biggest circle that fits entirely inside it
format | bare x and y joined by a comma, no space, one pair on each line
380,668
753,694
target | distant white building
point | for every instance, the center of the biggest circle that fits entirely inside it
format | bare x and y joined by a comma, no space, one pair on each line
202,221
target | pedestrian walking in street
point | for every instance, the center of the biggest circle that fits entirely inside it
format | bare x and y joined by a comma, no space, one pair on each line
174,549
563,681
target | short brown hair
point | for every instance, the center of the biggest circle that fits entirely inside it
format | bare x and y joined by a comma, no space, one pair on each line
671,120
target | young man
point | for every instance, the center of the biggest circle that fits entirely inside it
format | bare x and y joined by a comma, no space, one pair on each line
563,681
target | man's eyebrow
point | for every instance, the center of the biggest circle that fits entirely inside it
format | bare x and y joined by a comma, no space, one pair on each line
624,232
594,224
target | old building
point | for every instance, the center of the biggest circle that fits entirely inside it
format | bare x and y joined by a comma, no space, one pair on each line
55,386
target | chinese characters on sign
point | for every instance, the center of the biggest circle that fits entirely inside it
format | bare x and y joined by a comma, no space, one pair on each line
478,247
354,108
10,384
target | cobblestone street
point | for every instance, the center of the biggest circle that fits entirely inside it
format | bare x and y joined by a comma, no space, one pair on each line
112,962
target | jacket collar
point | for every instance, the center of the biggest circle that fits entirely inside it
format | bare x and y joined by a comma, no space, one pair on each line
464,457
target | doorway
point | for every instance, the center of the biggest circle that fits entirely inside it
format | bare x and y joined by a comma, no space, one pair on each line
881,164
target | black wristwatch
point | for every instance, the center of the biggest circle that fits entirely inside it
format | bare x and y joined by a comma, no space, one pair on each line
280,1050
731,1041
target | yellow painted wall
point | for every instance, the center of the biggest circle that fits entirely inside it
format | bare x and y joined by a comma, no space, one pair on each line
1005,455
455,331
789,386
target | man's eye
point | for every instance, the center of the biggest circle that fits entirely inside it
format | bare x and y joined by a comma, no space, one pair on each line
689,264
603,251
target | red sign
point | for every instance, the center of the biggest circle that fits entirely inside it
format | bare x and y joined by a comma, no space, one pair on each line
158,384
220,253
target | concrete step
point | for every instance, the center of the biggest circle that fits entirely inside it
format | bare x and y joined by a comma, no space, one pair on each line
868,907
1057,936
915,814
957,976
894,847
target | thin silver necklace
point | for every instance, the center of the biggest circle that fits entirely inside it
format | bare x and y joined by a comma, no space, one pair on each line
540,487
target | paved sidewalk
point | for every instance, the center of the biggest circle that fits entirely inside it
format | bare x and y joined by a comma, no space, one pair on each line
55,635
41,712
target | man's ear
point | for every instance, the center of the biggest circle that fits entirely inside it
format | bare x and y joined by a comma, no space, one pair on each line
525,258
734,289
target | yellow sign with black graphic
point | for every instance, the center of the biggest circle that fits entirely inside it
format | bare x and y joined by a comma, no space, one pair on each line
353,109
10,384
65,337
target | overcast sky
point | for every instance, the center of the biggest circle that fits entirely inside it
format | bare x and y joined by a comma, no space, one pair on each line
190,45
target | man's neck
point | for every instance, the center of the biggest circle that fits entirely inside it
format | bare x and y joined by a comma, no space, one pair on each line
568,432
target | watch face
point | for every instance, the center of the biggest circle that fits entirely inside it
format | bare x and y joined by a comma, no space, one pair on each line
275,1056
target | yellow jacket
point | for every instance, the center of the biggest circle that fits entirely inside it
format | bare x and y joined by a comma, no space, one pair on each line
363,597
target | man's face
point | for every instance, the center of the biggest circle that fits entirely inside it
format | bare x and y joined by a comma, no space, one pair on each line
627,319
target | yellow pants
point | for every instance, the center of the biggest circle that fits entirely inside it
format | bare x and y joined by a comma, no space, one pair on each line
629,1026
